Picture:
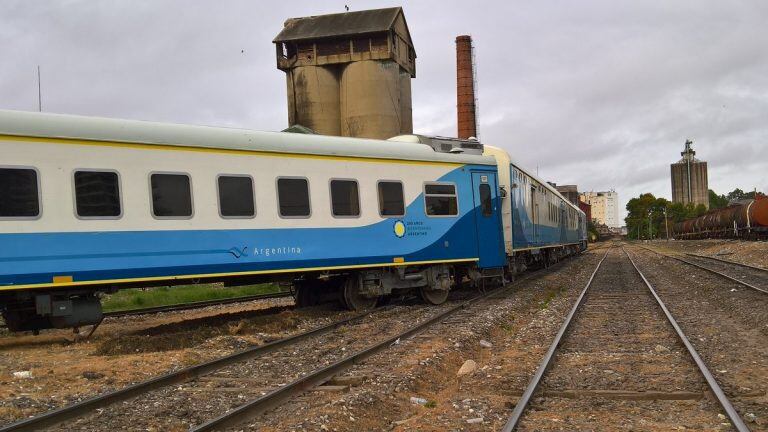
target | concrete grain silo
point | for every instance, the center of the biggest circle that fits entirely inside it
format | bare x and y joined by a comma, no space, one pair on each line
349,74
314,99
689,179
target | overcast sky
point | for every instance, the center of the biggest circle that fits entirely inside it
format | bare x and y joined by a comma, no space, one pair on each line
598,93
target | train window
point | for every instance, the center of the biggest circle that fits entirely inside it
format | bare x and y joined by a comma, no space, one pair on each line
345,198
97,194
236,196
171,196
485,199
19,193
440,199
391,199
293,197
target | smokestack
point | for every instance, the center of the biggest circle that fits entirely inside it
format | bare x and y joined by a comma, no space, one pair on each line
465,88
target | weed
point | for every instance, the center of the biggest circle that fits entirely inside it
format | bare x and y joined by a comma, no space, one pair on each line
134,298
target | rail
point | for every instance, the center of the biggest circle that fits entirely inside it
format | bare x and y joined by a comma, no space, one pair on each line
721,274
69,412
273,399
728,262
196,305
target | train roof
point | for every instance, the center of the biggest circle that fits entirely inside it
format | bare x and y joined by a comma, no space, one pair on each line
45,125
512,162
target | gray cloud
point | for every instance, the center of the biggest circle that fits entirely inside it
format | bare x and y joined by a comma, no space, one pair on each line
598,93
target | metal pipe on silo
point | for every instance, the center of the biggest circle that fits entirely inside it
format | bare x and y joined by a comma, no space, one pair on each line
465,88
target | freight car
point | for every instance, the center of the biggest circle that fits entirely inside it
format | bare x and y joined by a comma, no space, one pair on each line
95,205
746,219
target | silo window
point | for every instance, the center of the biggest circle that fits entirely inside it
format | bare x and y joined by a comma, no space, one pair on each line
97,194
19,193
171,196
379,43
440,199
293,197
345,198
391,199
361,45
236,196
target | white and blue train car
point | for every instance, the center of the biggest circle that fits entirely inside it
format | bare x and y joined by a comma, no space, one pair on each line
540,225
91,205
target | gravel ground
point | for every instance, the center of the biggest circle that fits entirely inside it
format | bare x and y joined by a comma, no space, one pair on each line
518,328
727,323
131,349
178,407
746,252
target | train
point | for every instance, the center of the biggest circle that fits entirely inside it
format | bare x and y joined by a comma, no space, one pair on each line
746,219
93,205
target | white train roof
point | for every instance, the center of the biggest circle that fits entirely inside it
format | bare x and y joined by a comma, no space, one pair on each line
33,124
496,150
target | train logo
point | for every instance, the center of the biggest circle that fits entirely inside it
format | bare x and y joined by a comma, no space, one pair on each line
399,229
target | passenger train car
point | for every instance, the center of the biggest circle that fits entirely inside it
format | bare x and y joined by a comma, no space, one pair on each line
94,205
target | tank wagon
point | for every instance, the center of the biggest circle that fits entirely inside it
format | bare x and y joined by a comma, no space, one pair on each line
92,205
746,219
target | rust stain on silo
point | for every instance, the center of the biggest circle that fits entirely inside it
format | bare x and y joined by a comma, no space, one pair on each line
465,88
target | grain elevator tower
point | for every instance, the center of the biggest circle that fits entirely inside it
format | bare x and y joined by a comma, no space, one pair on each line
349,74
689,179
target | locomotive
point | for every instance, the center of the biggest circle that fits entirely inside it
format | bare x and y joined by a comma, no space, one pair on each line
93,205
746,219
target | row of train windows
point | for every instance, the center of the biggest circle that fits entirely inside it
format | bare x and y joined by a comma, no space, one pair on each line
97,195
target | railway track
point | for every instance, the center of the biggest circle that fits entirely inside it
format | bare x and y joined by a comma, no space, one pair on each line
752,277
191,305
620,342
196,305
219,386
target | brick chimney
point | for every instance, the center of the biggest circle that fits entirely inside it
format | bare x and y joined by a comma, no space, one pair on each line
465,88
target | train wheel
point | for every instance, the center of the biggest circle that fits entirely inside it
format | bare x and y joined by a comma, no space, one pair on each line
352,297
433,296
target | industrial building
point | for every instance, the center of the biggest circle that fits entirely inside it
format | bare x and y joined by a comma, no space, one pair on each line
605,207
349,74
570,192
689,179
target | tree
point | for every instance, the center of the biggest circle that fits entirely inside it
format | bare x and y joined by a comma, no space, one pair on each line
736,194
645,216
717,201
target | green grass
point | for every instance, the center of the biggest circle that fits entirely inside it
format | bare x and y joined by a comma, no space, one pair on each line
137,298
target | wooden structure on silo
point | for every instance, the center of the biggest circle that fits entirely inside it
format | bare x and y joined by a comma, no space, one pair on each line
349,74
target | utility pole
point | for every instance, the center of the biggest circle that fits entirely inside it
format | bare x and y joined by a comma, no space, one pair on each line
666,223
650,233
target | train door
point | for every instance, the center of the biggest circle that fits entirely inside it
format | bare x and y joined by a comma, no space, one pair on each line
490,238
534,216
